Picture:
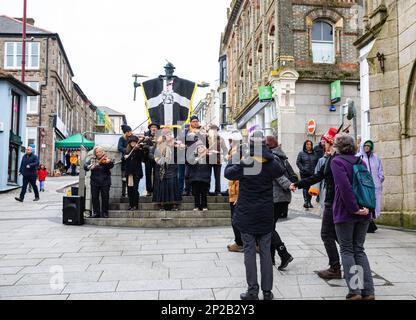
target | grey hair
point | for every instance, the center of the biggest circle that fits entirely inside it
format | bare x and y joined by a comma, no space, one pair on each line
97,148
345,144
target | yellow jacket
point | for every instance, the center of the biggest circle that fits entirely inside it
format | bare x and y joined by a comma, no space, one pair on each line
233,190
73,160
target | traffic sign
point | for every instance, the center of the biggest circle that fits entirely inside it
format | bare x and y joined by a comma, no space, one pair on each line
311,126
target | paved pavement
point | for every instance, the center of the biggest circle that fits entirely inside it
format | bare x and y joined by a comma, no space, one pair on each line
42,259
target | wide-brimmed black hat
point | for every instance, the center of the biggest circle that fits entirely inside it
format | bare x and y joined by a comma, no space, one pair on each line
153,124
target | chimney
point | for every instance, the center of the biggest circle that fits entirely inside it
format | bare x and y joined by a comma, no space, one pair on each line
30,21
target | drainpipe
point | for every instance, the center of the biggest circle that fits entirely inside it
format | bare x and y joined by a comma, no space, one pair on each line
400,117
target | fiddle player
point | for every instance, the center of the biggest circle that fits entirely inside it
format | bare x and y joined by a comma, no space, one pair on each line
134,172
100,166
122,145
148,163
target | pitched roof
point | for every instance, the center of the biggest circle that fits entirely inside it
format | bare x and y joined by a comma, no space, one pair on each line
22,86
13,26
110,111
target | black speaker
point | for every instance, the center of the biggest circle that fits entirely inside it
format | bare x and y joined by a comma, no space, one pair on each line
74,191
73,211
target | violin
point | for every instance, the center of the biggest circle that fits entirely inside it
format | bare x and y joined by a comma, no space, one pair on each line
104,160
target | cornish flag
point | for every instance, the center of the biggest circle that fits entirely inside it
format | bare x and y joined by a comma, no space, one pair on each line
169,102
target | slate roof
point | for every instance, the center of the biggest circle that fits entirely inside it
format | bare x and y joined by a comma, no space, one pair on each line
10,25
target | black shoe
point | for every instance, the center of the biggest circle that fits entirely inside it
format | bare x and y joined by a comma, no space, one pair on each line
36,199
218,194
310,206
95,216
249,296
105,215
268,295
19,199
306,205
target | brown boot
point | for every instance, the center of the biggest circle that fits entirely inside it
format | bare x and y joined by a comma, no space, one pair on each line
331,273
370,297
234,248
353,297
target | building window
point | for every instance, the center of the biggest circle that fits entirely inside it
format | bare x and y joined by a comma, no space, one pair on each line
323,42
224,107
32,137
13,55
271,42
33,102
223,70
15,122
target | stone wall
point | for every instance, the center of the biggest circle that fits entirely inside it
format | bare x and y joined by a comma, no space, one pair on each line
394,26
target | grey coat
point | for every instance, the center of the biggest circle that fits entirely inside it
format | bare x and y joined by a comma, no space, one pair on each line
281,192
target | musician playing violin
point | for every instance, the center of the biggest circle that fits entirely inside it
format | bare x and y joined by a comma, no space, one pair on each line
150,164
134,157
100,166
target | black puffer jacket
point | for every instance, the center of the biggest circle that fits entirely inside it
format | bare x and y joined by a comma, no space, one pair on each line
324,174
307,161
254,210
101,174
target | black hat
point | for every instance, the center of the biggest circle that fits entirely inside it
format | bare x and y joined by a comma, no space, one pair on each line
125,128
194,118
133,139
154,124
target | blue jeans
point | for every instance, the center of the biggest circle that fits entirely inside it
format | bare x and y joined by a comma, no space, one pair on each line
351,237
266,266
42,185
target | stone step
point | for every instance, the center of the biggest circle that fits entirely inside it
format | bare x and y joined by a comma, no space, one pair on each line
170,214
160,223
181,206
185,199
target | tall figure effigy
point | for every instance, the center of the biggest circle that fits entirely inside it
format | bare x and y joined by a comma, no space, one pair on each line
169,99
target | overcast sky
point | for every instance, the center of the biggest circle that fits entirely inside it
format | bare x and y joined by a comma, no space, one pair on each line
107,41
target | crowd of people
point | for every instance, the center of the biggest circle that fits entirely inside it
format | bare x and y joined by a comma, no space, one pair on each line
260,187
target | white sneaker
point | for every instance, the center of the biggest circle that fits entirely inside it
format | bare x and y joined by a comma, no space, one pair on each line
205,209
196,209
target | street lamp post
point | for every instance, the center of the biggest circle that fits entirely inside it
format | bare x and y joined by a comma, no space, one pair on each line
81,182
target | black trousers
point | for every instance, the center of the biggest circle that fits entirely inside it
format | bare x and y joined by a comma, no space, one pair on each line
123,183
329,237
277,242
280,210
73,170
237,233
200,193
149,170
217,175
133,193
306,196
96,191
32,181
